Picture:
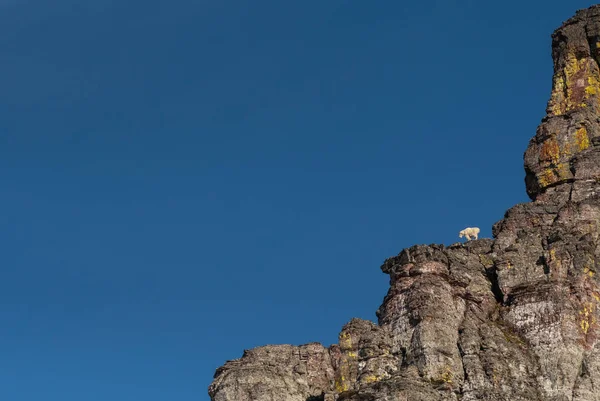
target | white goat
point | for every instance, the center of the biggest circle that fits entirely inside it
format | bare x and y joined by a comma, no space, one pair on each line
469,232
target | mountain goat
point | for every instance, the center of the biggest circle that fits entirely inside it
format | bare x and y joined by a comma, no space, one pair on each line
469,232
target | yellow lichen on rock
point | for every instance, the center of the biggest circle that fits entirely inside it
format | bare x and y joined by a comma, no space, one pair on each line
343,375
556,105
341,385
553,261
371,379
582,139
566,150
547,177
587,317
563,170
486,261
574,85
593,87
345,340
447,375
562,91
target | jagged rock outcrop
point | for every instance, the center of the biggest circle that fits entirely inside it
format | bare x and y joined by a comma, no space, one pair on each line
509,318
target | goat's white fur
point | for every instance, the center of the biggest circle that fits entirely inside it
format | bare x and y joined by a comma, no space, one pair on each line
469,232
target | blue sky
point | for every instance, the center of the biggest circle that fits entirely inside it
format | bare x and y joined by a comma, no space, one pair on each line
185,180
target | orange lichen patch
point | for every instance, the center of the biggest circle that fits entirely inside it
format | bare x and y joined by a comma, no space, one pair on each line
554,156
550,151
582,139
566,149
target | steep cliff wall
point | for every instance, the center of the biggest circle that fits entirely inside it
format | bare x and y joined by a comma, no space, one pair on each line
513,318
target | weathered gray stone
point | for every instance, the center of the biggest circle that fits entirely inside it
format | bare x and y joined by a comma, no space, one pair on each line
273,373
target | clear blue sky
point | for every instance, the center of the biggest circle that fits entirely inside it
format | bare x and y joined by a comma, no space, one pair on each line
185,180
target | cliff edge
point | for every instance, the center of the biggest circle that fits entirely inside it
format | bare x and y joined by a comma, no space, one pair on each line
510,318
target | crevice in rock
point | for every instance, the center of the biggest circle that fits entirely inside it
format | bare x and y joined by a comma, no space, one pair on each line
492,275
544,263
572,184
461,352
581,374
531,184
558,183
316,397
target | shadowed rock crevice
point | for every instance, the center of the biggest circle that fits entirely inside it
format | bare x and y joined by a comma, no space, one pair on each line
509,318
492,276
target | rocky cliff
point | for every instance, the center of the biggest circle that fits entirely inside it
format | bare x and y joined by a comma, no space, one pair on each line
509,318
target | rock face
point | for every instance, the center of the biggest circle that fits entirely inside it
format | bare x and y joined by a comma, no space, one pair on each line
510,318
